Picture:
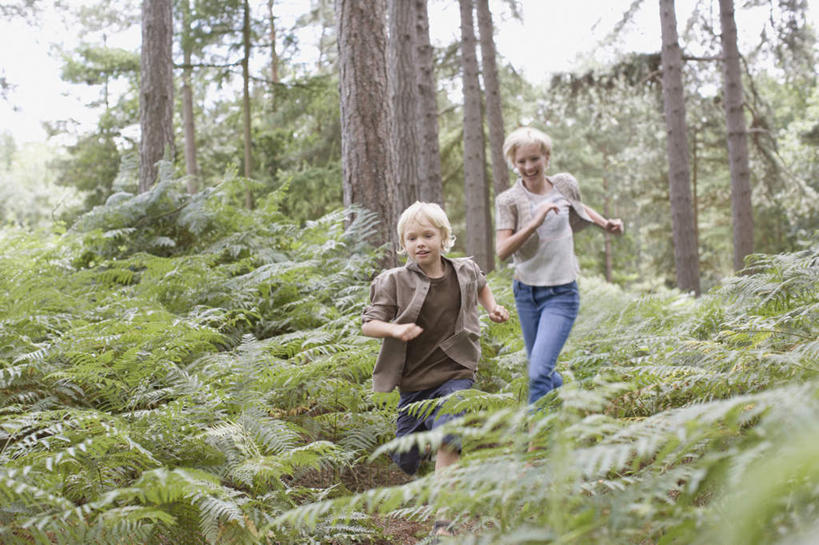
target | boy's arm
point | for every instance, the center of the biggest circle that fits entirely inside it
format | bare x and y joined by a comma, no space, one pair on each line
382,309
496,312
402,332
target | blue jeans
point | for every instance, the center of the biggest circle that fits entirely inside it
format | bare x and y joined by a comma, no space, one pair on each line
406,424
546,315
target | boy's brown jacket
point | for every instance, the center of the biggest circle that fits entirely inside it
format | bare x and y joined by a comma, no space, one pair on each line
396,295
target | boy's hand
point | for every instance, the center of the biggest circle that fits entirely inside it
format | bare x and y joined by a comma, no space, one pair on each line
499,314
406,332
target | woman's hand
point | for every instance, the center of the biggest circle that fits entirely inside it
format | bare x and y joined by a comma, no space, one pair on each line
542,210
508,241
614,226
499,314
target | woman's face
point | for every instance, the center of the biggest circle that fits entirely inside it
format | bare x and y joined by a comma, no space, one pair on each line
531,161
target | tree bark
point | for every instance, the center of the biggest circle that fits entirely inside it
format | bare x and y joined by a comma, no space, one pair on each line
402,85
694,181
607,235
686,256
429,153
155,90
188,122
741,207
367,176
274,56
246,101
494,112
476,192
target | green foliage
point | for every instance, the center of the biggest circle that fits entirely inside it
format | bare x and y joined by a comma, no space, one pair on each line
29,195
683,421
97,66
94,160
142,351
91,165
178,369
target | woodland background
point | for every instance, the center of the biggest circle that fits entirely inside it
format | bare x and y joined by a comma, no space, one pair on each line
181,354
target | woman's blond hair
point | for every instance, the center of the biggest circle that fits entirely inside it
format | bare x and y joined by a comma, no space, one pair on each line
522,136
430,213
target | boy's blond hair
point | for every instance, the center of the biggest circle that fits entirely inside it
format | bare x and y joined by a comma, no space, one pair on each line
428,212
522,136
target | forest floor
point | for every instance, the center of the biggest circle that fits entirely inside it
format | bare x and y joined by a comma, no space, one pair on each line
400,532
395,531
407,532
380,474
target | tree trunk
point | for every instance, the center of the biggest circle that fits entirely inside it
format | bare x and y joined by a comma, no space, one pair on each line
274,56
155,90
686,256
188,123
476,192
367,176
106,81
429,153
741,208
246,100
694,181
607,235
402,85
494,114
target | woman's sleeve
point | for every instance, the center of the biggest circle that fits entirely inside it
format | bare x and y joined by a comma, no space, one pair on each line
506,214
382,300
568,185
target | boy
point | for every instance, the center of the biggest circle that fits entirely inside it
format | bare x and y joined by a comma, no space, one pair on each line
427,314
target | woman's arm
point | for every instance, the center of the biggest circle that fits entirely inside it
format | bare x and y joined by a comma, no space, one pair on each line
497,313
611,225
508,241
402,332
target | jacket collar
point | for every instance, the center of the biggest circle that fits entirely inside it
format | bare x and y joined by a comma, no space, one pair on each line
415,267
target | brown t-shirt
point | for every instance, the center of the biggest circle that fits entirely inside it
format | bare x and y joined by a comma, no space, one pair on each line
427,365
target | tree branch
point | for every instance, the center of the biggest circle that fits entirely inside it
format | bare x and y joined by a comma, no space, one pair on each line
701,59
206,65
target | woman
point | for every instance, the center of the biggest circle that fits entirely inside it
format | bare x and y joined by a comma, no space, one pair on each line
542,247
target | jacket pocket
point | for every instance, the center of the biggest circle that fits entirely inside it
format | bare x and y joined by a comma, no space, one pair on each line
390,365
464,347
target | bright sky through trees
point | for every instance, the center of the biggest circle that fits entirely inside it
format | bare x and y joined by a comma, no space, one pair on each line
554,36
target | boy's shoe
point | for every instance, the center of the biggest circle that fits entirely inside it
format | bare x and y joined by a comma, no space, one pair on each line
427,456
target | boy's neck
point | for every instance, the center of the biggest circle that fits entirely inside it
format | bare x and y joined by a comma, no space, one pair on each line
434,270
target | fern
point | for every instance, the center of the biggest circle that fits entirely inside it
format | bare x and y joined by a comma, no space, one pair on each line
176,369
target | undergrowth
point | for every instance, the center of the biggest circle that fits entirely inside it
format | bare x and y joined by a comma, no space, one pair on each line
177,369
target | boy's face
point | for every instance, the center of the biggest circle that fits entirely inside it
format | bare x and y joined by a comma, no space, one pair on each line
423,242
